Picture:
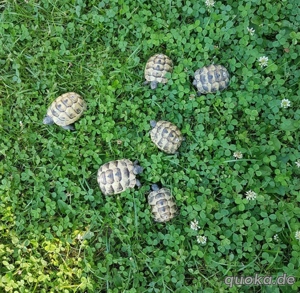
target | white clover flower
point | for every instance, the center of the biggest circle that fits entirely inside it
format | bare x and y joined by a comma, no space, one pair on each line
285,103
297,235
263,61
209,3
250,195
21,124
194,225
275,237
298,163
79,237
201,239
251,31
238,155
192,97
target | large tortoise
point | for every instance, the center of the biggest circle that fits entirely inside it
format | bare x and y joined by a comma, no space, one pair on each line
162,204
166,136
210,79
65,110
156,68
116,176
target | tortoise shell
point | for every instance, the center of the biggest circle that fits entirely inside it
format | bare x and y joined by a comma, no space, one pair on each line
116,176
162,205
156,68
166,136
210,79
65,110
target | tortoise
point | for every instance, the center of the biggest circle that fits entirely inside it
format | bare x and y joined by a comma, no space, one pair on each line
166,136
65,110
210,79
156,68
116,176
162,204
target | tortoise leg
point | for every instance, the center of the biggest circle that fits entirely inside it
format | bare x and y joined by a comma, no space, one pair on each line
69,127
138,183
48,120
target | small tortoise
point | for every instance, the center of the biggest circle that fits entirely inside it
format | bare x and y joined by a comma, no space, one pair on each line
65,110
156,68
162,204
210,79
166,136
116,176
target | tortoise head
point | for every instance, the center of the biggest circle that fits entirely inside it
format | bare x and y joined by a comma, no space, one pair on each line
48,120
154,187
153,85
136,168
153,123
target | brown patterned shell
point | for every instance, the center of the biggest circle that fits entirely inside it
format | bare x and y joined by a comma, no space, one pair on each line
156,68
116,176
66,109
166,136
162,205
210,79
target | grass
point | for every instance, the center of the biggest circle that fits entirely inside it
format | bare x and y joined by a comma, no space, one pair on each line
60,234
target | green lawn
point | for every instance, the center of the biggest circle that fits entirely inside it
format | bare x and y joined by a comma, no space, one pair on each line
59,233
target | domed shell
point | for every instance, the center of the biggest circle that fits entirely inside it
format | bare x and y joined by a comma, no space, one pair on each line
166,136
210,79
156,68
66,109
116,176
162,205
